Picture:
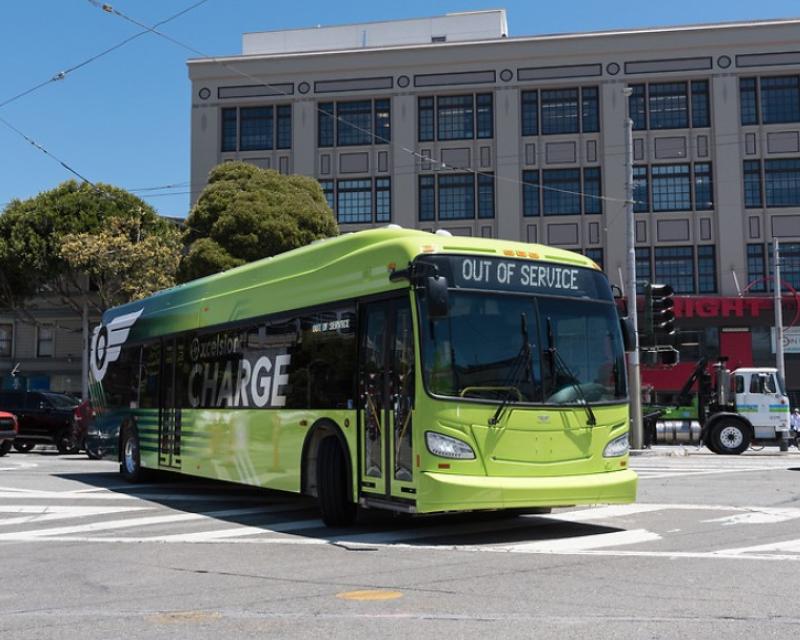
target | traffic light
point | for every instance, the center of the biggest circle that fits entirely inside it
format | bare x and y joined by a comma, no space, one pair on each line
661,304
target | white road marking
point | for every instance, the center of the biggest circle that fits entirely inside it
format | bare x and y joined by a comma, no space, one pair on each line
792,546
759,515
47,513
582,543
110,495
128,523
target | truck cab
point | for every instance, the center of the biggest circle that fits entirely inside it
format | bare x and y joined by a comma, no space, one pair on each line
760,396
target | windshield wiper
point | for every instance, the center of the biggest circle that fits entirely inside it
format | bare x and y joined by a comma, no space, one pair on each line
557,362
521,365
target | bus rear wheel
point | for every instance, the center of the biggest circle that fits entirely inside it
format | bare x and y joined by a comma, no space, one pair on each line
335,501
130,465
730,437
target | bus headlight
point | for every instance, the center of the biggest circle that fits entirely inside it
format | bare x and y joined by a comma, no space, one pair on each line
448,447
617,447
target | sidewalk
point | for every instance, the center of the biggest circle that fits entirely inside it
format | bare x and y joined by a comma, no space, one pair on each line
692,450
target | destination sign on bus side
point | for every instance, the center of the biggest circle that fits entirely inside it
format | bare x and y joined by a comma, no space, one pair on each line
477,272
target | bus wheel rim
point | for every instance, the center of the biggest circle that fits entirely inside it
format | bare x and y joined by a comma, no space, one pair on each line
731,437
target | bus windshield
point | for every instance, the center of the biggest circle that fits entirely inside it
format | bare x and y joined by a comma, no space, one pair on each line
478,350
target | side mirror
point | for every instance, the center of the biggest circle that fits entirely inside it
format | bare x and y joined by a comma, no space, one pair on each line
437,296
626,325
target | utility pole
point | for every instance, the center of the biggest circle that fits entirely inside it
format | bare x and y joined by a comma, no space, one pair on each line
634,377
777,302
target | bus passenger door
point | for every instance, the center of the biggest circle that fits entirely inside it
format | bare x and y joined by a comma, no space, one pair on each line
169,414
386,378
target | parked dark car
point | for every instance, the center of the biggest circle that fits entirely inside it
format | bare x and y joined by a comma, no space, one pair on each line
8,431
44,417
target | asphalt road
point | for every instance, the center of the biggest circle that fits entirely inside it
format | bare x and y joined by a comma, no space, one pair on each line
711,549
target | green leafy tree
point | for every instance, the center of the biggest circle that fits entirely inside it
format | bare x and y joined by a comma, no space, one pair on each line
126,260
32,231
246,213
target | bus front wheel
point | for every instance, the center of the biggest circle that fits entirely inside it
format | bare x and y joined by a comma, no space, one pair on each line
332,487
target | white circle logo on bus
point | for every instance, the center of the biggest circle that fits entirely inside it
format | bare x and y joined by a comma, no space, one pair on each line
107,341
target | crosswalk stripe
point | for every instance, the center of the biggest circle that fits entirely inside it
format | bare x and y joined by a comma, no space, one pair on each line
584,543
47,513
128,523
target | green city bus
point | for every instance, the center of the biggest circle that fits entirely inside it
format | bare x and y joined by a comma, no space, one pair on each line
389,368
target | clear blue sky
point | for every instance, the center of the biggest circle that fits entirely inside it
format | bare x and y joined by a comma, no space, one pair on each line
124,119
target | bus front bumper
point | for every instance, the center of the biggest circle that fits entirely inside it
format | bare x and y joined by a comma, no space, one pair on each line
451,492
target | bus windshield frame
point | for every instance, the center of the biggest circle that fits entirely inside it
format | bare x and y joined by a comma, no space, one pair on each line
477,352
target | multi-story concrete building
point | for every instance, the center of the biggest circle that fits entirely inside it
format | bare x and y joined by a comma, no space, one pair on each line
448,123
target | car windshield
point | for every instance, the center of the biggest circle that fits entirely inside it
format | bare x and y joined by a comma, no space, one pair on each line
61,401
476,349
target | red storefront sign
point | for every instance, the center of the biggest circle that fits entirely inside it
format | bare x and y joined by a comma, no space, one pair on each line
722,307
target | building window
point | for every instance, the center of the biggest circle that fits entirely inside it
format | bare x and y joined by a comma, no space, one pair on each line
456,117
644,273
427,198
325,122
700,104
560,192
530,193
229,129
592,191
637,107
675,267
748,101
383,121
354,201
706,269
596,255
284,133
560,111
665,105
782,182
425,119
790,263
456,197
354,123
45,339
703,187
641,191
361,200
780,99
590,110
6,339
752,184
254,128
756,271
671,187
668,105
530,113
485,195
383,199
357,122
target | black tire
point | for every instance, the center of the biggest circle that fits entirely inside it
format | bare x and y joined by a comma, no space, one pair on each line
335,502
93,455
23,446
65,441
5,447
730,437
130,465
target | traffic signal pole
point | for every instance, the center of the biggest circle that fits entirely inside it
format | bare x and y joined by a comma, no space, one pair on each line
634,376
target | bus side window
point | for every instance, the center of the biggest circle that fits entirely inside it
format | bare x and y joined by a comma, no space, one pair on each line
739,382
149,376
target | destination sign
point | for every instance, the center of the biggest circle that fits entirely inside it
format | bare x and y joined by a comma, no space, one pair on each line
521,276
